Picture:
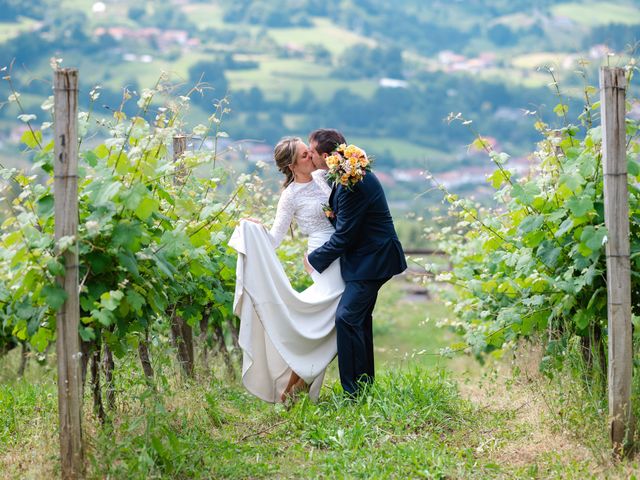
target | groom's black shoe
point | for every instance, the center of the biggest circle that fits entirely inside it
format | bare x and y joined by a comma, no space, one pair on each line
361,388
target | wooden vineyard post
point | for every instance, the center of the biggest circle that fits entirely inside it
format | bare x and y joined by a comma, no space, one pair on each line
181,331
616,208
65,88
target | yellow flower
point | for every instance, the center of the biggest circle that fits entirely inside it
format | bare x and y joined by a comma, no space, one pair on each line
353,151
344,179
364,161
333,161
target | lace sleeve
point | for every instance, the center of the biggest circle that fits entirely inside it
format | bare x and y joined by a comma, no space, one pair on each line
284,217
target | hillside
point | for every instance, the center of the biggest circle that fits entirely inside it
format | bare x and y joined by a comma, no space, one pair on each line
386,75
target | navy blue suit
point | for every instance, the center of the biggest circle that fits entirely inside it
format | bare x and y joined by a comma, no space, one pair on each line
370,253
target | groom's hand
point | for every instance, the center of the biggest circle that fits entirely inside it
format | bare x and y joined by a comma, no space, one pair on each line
307,265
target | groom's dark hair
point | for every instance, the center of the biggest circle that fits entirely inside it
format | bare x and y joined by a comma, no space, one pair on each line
327,139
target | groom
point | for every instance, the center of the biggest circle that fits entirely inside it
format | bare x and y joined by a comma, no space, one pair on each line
370,253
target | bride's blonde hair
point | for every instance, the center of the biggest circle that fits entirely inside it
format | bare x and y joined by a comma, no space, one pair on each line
284,155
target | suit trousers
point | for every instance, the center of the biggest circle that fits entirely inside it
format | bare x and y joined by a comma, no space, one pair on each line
354,328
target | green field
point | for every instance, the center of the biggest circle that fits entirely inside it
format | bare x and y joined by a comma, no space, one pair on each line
539,59
205,15
400,148
278,77
598,13
9,30
323,32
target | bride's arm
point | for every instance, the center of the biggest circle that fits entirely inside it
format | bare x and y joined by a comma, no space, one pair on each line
284,217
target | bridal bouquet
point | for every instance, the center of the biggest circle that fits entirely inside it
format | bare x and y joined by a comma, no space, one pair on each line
347,165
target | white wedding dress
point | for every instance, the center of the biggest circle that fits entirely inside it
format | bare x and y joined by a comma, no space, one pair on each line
280,329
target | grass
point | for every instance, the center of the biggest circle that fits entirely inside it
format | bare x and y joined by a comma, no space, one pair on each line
404,149
277,77
592,14
204,15
9,30
531,61
324,32
423,418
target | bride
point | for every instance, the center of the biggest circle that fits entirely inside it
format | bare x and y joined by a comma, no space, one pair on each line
288,338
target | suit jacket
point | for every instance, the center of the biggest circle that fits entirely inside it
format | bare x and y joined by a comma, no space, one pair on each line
365,239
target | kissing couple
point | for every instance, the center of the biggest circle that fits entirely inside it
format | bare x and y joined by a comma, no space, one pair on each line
289,338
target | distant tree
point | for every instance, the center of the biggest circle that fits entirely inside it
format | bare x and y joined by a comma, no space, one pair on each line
618,37
307,102
136,13
248,100
67,28
10,10
229,62
501,35
163,16
270,13
362,61
320,54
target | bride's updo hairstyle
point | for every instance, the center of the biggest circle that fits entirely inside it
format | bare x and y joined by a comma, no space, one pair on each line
285,156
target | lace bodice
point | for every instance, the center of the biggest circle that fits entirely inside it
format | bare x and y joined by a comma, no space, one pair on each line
302,202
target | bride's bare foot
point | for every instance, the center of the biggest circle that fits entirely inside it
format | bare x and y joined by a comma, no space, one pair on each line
295,385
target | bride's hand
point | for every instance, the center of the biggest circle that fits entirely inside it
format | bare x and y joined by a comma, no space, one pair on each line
307,265
248,219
